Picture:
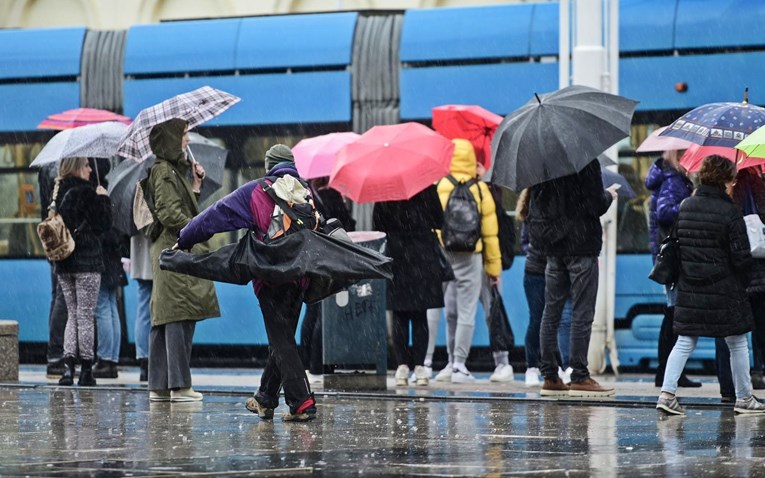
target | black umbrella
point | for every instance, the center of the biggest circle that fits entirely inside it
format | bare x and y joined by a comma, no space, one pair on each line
557,134
123,179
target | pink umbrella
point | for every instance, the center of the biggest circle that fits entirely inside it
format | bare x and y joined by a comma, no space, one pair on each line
695,155
655,143
391,163
314,157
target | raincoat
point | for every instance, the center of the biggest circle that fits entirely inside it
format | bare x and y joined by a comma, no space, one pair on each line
668,188
463,168
175,297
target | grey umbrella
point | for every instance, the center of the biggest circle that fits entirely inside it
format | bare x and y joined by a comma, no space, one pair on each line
98,140
123,179
557,134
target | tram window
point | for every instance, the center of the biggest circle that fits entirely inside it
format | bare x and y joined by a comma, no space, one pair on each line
19,201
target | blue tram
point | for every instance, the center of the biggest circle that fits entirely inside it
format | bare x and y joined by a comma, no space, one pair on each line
309,74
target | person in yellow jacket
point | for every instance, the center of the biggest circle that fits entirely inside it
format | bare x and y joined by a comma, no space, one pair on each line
461,295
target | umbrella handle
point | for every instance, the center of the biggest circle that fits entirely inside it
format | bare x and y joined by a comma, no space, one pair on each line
193,160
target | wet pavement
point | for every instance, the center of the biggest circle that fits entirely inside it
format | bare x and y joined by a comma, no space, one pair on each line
113,430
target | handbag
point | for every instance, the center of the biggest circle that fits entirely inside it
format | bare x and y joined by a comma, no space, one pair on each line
666,270
501,337
57,241
755,230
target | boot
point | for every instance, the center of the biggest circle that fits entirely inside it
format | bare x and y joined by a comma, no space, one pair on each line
144,370
68,377
86,374
103,369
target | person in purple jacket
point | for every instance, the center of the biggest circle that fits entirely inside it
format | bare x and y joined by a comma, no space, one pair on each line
250,207
669,186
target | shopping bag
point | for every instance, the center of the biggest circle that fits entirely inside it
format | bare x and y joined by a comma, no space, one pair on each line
501,338
755,230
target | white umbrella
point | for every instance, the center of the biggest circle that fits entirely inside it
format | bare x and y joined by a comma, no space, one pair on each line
93,141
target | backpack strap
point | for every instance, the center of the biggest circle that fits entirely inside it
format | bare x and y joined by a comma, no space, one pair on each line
469,183
286,209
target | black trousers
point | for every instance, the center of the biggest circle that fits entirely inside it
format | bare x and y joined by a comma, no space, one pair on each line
757,301
311,339
281,312
401,321
56,320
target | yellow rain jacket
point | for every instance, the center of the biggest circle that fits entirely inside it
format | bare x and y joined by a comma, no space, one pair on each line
463,169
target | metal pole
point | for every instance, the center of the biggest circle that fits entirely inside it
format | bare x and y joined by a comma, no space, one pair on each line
564,44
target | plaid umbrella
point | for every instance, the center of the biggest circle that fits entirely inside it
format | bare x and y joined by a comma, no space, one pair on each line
93,141
80,117
196,107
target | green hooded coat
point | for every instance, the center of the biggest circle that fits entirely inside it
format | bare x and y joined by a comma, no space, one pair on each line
175,297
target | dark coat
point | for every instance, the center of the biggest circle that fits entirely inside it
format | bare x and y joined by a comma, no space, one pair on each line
536,263
564,213
715,258
87,215
749,182
417,268
114,246
668,188
331,204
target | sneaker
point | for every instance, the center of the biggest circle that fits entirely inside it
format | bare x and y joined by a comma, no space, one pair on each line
503,373
565,375
314,379
304,413
554,387
262,411
462,376
670,406
749,405
532,377
428,370
185,395
159,396
402,376
445,375
421,376
589,388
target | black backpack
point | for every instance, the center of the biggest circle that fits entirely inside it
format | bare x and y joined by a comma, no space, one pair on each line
289,218
462,218
506,229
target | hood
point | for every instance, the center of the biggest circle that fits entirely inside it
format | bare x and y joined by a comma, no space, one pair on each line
165,141
463,158
659,172
284,168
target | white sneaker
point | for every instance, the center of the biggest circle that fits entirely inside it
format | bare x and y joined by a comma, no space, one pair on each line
462,376
428,371
421,375
314,379
503,373
445,375
565,375
402,376
532,377
185,395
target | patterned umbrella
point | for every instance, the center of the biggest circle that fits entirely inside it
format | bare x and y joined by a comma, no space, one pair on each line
196,107
717,124
80,117
93,141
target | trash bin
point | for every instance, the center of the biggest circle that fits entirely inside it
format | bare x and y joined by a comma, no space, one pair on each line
354,336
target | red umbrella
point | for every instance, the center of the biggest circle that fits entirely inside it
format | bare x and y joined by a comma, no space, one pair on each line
80,117
470,122
695,155
314,157
391,163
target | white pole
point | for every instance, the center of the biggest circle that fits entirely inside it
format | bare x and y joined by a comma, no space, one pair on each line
564,44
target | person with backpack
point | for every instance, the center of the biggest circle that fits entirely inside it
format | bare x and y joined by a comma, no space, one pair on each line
469,237
259,205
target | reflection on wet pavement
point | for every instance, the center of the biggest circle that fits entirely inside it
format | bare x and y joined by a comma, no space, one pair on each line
46,431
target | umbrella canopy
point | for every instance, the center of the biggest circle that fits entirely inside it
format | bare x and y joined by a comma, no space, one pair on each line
695,154
124,178
469,122
717,124
315,157
610,177
196,107
754,144
80,117
391,163
557,134
656,143
98,140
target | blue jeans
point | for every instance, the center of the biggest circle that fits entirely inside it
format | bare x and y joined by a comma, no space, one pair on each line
739,363
108,323
143,319
534,286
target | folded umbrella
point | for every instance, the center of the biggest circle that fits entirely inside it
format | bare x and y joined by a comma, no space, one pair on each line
557,134
196,107
124,178
391,163
92,141
315,157
80,117
469,122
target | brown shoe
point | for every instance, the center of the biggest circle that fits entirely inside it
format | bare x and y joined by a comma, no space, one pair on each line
589,388
554,387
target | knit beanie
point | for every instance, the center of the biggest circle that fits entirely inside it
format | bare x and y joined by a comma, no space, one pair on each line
278,153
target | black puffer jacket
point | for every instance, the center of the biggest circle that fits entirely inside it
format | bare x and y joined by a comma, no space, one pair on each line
715,259
87,215
564,214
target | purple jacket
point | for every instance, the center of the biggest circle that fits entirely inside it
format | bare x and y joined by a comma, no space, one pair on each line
246,207
668,188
